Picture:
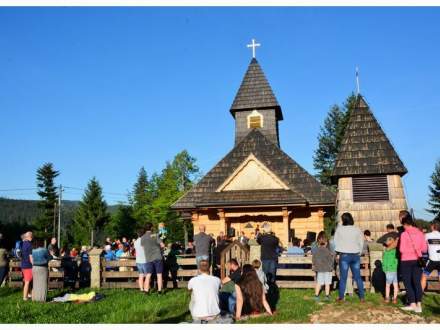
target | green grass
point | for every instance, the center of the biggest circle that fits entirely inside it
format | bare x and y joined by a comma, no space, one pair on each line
130,306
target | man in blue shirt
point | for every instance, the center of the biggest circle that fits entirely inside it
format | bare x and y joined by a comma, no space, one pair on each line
26,264
295,250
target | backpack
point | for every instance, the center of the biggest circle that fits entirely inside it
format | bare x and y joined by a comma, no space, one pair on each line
18,248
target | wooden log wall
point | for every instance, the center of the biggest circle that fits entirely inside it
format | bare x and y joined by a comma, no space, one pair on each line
374,215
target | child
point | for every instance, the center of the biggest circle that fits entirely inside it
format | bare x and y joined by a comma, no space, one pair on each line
389,262
261,276
322,263
162,231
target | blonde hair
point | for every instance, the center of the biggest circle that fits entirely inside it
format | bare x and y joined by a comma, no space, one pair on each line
256,264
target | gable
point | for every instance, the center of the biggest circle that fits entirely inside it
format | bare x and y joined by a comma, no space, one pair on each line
303,186
252,175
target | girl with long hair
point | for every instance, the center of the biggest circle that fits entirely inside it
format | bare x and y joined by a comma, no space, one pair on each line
251,299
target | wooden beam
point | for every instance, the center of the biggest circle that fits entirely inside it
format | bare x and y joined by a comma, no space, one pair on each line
285,238
222,217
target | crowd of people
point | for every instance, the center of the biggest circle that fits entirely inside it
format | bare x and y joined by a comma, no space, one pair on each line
409,256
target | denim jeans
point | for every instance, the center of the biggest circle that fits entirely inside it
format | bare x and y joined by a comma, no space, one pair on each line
411,275
352,261
228,302
270,269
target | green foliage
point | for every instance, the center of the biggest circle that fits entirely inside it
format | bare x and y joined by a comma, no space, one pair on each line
44,224
122,223
434,192
329,225
176,178
330,138
91,216
143,191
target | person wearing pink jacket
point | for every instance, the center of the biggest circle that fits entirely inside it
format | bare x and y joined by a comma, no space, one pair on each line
412,245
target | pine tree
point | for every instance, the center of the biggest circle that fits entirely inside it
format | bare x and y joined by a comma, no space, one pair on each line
142,197
91,216
44,224
330,138
122,223
434,192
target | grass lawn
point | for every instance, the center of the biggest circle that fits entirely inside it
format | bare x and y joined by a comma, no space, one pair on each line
130,306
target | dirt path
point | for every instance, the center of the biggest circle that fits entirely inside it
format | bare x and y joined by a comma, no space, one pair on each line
365,313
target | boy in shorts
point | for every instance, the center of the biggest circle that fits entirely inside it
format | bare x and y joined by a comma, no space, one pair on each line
323,264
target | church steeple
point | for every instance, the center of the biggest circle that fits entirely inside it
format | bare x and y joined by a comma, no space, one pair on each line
255,105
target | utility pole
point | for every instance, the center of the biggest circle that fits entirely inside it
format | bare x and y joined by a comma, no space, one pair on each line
60,192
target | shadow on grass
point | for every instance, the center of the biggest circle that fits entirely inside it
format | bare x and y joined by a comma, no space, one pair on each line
176,319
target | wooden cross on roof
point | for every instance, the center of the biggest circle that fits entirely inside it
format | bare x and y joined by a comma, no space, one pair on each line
253,45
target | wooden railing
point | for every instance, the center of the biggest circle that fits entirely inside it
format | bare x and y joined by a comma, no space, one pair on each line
123,274
292,272
56,275
296,272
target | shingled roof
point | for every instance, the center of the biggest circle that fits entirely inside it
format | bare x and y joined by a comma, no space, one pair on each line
304,188
255,92
365,149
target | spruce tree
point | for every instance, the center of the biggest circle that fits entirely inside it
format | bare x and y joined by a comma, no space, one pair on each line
122,223
91,215
434,192
141,197
44,224
330,138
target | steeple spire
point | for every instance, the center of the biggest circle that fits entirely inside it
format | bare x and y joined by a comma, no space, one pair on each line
255,92
358,89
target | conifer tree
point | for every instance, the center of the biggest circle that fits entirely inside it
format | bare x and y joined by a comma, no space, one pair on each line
122,223
91,216
330,138
434,192
44,224
142,197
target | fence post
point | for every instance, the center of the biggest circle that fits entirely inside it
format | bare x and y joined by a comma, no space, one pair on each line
376,252
95,263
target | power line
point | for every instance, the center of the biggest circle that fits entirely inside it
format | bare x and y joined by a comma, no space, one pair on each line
18,189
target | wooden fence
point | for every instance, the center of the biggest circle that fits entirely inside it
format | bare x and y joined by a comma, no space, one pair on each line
296,272
292,272
123,274
56,275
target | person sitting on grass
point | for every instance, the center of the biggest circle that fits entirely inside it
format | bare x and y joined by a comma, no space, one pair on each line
389,265
227,292
251,299
261,276
323,263
294,249
204,305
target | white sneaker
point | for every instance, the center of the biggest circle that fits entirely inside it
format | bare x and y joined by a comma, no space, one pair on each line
408,308
418,309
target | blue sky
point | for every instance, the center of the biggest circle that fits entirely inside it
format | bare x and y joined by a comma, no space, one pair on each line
103,91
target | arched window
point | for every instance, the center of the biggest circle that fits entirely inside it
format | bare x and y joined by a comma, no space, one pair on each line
255,120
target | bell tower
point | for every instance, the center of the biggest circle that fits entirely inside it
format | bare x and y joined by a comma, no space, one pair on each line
255,106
